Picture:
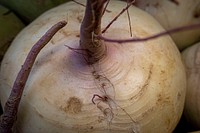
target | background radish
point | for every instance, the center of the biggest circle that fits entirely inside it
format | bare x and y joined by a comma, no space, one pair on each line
10,27
175,13
28,10
191,59
102,87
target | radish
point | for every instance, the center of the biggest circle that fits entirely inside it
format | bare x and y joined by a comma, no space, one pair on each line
80,83
29,10
191,59
175,13
10,25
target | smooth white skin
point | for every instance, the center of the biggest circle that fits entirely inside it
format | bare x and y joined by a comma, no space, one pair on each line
148,78
171,15
191,58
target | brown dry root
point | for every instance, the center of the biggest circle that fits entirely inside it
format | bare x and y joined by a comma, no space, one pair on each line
11,107
175,30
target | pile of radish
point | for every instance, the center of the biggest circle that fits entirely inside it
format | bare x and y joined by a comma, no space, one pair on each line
90,79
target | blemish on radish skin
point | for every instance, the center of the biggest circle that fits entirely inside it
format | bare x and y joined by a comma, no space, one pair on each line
143,115
163,99
168,122
64,33
73,106
101,119
52,42
79,18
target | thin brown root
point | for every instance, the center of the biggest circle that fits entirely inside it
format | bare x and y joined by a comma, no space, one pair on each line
180,29
129,21
105,8
79,3
78,50
102,98
124,111
11,107
123,10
